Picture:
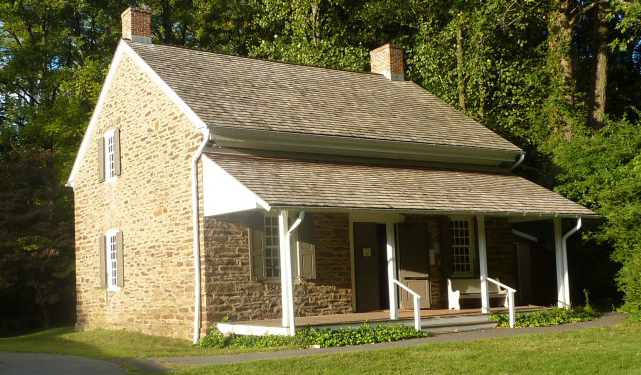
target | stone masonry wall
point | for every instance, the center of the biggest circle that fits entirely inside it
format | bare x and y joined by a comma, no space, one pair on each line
150,202
231,293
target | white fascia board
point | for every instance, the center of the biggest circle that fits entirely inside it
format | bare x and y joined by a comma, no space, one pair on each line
345,146
123,47
512,216
222,193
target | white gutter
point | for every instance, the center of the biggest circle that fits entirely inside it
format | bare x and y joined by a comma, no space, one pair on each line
518,162
196,232
566,278
288,268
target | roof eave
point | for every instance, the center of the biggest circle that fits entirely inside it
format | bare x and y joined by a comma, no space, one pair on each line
509,214
237,138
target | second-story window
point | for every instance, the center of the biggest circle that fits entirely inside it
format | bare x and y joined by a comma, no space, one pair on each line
110,156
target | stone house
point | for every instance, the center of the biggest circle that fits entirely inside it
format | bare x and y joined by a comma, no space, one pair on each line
211,187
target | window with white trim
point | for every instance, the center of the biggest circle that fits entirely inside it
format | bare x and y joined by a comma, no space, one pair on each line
272,247
463,245
264,247
112,258
110,156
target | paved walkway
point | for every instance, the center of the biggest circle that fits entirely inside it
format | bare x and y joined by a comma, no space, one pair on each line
606,320
54,364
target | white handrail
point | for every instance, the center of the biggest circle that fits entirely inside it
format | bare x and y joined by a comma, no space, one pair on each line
510,298
500,284
417,306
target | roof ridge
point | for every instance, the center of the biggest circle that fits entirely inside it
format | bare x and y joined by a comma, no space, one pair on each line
254,58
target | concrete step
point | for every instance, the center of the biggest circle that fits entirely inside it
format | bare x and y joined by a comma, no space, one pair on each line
457,324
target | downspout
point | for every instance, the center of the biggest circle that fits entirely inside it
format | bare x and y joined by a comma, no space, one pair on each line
196,232
566,276
290,291
518,162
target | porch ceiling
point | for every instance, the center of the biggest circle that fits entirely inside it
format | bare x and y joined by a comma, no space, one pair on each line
325,185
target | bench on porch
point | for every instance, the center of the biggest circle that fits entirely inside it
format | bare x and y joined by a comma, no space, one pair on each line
458,289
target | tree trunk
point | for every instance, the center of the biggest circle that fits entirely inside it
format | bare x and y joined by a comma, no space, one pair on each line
46,321
316,22
166,22
561,63
599,68
459,67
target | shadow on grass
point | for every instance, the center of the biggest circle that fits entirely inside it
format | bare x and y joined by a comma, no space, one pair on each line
110,344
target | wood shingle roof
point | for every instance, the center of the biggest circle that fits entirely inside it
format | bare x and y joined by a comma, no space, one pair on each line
322,184
246,93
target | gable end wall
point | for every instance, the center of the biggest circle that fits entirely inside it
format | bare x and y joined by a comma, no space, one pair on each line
150,202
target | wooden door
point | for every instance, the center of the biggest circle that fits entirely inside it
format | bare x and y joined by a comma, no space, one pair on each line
367,267
413,263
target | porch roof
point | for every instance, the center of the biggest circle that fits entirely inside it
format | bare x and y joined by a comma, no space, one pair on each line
281,182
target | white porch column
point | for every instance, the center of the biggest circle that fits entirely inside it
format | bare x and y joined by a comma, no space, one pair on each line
285,264
485,297
391,270
561,264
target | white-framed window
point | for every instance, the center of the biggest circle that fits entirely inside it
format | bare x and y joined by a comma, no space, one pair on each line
463,246
264,247
110,156
272,247
111,257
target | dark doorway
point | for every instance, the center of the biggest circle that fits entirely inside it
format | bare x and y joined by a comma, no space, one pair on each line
370,267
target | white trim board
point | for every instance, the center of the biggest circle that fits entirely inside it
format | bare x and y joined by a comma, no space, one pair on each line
222,193
123,47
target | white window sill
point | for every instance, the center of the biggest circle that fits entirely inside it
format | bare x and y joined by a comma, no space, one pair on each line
113,288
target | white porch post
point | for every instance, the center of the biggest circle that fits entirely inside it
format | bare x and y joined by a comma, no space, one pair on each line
561,264
391,270
485,297
285,270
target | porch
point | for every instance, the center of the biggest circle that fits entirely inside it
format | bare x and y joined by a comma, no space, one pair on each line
339,240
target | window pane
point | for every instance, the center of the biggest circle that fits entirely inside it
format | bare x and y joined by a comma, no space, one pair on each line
272,246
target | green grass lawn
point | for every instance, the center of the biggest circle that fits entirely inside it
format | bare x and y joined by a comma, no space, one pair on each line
107,344
612,350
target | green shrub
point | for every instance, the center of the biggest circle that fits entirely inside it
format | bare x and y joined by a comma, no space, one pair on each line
355,336
544,318
309,336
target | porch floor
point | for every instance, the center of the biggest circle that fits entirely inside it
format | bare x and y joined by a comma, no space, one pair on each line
380,316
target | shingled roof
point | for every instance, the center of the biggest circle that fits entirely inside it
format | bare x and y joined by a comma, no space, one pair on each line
246,93
322,184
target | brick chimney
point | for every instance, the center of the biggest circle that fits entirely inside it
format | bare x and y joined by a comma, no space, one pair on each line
388,61
136,25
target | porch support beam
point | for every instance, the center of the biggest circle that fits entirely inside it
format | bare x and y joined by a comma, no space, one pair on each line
561,265
485,297
391,269
286,272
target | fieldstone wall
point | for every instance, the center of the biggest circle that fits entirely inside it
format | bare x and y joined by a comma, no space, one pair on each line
150,202
231,293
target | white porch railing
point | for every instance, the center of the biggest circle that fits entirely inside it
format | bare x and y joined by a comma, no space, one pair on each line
417,305
510,298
